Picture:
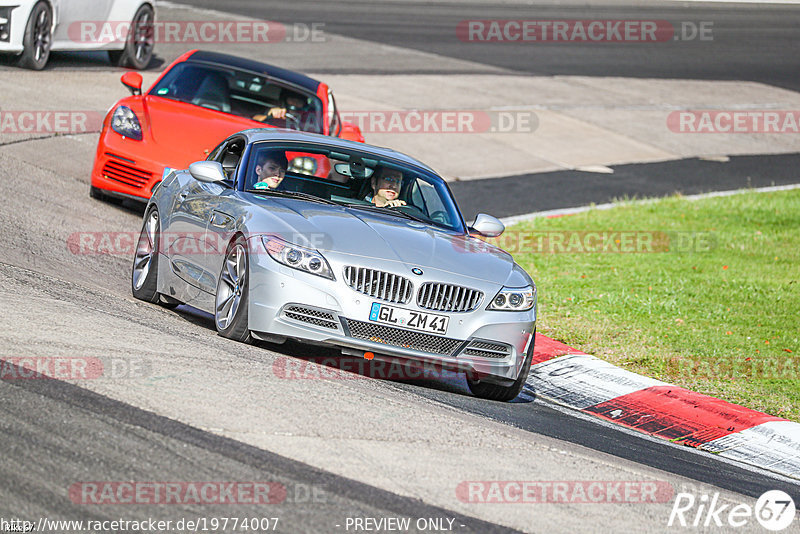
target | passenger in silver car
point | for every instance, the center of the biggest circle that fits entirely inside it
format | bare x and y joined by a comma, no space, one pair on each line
270,170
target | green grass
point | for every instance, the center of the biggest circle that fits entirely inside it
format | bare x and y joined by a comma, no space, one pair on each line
717,319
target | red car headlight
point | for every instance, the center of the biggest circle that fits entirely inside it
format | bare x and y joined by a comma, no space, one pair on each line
126,123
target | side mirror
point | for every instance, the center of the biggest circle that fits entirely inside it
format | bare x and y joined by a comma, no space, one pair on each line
133,81
350,131
487,226
207,171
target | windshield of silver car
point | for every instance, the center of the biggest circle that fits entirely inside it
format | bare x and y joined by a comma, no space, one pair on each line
360,181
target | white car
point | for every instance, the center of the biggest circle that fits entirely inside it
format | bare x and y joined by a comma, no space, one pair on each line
32,29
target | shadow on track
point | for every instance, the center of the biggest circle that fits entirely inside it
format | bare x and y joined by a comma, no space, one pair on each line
80,61
303,361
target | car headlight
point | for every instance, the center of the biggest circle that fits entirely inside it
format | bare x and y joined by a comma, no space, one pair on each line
514,299
297,257
125,122
303,165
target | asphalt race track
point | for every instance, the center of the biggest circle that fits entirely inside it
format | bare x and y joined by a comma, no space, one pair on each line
752,42
180,404
167,448
518,195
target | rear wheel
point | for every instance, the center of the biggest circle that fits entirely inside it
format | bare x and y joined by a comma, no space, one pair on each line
486,390
231,303
38,38
140,43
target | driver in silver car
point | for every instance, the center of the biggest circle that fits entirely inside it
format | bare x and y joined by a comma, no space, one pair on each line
386,188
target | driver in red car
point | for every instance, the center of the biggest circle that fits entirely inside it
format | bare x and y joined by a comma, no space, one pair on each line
270,170
386,184
293,104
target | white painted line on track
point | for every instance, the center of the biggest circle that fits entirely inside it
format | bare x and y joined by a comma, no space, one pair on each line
774,445
585,416
581,381
575,382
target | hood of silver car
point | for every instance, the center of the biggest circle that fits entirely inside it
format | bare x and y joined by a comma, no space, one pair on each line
368,234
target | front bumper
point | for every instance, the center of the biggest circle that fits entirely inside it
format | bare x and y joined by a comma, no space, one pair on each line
288,303
120,168
13,20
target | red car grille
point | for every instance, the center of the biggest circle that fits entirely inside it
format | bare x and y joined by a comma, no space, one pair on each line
126,173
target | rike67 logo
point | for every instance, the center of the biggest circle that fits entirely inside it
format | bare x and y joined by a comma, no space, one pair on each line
774,510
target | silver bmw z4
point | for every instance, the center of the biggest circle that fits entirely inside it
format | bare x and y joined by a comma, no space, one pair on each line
287,235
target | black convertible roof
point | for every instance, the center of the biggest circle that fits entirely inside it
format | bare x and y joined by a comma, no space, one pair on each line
290,76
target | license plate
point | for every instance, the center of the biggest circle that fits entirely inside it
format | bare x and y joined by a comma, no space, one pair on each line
413,320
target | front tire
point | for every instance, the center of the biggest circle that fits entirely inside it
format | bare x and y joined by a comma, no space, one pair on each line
496,392
140,42
231,302
38,38
144,274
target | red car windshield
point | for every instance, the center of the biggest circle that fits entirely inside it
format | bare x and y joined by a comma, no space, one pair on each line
242,93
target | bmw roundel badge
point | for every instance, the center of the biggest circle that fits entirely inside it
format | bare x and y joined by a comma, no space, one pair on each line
417,271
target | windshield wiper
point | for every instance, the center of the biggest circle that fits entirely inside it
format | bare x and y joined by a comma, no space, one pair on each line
294,194
391,211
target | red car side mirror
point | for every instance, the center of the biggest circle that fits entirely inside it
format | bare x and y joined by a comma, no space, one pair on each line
351,131
133,81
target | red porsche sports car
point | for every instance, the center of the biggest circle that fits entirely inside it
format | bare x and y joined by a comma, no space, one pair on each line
201,98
